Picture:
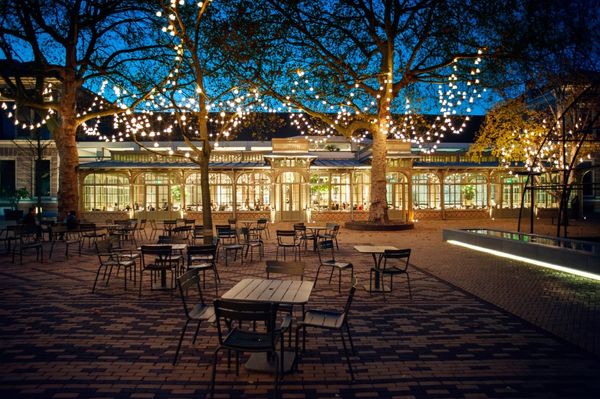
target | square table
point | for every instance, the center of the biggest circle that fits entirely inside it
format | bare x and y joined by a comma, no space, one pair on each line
290,292
377,252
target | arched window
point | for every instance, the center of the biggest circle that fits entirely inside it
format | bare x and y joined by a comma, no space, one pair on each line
253,192
361,194
426,191
340,191
221,192
319,191
330,190
106,192
465,190
157,191
193,192
396,191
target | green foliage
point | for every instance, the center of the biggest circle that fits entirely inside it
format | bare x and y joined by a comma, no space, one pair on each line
511,131
469,192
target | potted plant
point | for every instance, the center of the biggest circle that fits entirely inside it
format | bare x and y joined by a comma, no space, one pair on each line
468,195
14,198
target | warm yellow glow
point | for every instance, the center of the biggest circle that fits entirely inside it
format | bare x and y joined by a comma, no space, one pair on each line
527,260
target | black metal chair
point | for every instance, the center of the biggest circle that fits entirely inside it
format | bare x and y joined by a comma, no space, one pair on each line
288,239
232,317
401,257
328,320
203,258
108,258
27,237
157,259
228,242
251,240
293,269
303,235
323,247
91,233
331,233
189,284
262,225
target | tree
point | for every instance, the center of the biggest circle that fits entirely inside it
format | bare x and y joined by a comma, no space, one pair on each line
56,51
200,103
556,133
367,69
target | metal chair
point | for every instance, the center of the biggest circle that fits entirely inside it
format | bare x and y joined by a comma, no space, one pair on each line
90,232
198,312
228,241
231,319
401,256
108,259
27,237
327,245
328,320
157,259
288,239
203,258
262,226
331,233
303,235
251,240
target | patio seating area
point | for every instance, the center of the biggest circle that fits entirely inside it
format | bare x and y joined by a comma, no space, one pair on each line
476,327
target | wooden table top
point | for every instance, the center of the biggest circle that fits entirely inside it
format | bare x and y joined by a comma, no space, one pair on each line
293,292
373,249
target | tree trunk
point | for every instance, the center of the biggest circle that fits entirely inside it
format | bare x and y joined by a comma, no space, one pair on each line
66,145
378,211
205,187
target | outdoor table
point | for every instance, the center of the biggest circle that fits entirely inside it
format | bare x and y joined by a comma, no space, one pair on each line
289,292
377,252
247,223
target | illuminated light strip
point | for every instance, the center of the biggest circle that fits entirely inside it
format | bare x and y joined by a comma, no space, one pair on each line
527,260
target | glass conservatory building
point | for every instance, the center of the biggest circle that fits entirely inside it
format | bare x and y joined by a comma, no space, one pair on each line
292,180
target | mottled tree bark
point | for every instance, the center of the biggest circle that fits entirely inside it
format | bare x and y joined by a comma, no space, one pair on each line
378,211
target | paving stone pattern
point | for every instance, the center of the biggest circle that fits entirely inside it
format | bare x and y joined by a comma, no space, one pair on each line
58,340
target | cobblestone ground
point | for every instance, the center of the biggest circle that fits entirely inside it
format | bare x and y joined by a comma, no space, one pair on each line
476,327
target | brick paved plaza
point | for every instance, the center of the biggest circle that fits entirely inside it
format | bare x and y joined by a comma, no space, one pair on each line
477,327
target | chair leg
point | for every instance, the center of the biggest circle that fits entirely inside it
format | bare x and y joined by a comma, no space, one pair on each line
180,341
96,279
214,374
339,280
317,276
350,338
347,355
409,289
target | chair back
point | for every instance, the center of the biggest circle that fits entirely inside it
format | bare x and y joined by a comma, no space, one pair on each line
165,239
205,251
402,255
261,223
161,255
226,234
286,237
189,222
255,313
104,249
325,246
185,282
289,268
